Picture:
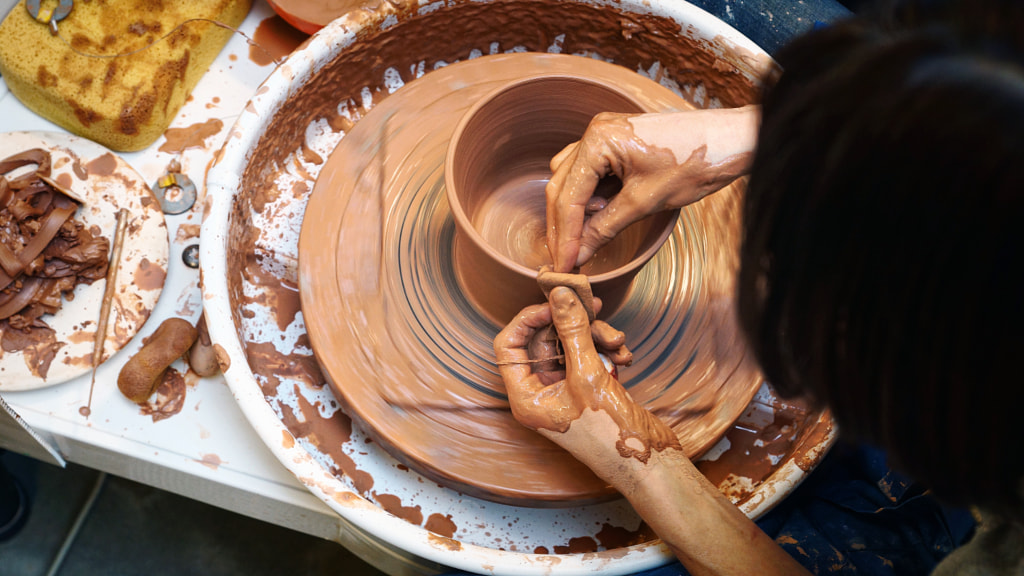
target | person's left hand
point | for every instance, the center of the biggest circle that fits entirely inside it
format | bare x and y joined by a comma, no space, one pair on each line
553,400
586,411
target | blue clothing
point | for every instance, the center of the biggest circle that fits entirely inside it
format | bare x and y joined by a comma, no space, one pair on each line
772,23
855,516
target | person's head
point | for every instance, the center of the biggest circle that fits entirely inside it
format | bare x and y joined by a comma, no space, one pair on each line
882,265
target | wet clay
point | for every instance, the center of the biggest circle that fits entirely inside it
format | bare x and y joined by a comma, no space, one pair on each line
169,397
44,251
496,169
579,284
146,369
194,136
274,39
410,358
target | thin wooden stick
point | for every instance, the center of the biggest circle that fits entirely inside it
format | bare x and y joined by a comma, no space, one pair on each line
113,263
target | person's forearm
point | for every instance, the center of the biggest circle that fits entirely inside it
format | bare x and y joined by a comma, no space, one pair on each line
727,132
703,528
726,137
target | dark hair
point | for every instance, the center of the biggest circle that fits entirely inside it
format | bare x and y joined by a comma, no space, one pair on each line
882,265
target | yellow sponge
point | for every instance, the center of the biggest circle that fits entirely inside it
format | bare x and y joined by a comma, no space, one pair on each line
124,103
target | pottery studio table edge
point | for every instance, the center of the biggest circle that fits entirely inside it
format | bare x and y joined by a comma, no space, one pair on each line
208,451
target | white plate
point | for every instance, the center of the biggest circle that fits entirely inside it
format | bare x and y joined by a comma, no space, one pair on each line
106,183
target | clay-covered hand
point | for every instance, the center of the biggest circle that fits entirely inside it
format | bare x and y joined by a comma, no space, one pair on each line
586,411
665,161
552,401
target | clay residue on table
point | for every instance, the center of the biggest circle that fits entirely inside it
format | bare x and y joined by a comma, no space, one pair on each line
187,232
211,461
39,347
149,276
194,136
169,398
103,165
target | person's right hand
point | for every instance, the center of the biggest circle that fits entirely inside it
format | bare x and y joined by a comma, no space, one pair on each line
665,161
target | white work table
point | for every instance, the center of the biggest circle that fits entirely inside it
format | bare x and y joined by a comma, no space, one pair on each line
208,451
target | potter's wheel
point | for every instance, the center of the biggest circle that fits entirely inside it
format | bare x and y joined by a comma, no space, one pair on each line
412,360
257,192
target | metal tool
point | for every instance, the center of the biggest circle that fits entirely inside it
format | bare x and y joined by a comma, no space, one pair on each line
186,188
190,256
48,15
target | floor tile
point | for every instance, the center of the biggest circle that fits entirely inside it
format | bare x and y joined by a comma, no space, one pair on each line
134,529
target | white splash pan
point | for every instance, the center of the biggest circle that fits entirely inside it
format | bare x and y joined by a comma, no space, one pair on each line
378,532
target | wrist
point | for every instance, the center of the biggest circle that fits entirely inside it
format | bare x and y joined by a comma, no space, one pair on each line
597,440
727,133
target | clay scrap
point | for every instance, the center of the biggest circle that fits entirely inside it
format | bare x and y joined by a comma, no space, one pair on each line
44,251
549,280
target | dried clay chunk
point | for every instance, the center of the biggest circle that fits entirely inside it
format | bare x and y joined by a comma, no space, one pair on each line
579,283
143,372
202,358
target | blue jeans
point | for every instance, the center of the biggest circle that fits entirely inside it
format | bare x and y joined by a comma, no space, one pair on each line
771,23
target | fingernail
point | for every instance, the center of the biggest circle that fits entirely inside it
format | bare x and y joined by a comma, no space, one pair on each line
563,298
583,256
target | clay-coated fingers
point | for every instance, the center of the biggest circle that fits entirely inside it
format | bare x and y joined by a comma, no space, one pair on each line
602,226
570,318
511,349
545,345
611,342
568,195
563,155
606,336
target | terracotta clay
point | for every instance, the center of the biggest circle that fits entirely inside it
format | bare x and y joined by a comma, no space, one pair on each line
548,280
144,371
411,359
312,15
495,171
42,350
